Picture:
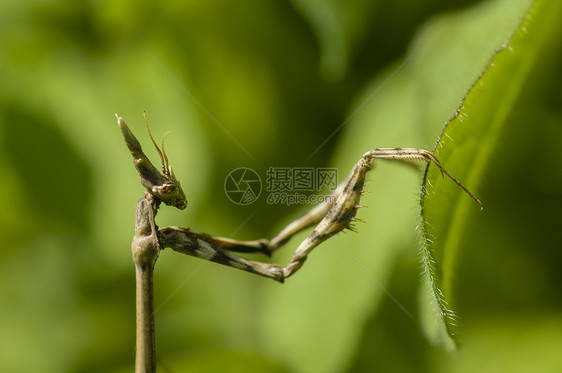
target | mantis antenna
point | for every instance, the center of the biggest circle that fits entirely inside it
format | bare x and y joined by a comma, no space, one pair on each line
166,163
162,154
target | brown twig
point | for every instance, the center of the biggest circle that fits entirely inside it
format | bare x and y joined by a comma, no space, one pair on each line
145,249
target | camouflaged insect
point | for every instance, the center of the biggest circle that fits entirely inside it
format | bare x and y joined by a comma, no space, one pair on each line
332,216
162,185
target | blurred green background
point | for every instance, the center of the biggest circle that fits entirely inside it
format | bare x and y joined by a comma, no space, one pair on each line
302,83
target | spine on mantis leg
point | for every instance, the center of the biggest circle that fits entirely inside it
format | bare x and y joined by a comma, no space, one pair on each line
339,217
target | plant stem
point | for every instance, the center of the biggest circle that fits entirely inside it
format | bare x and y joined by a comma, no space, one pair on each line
145,359
145,249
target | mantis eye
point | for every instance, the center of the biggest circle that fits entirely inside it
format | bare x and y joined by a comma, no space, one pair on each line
168,189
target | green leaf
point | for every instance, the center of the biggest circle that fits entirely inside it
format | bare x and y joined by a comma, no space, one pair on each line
471,141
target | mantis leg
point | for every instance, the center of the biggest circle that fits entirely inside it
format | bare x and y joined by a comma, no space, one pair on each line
342,212
185,242
331,217
267,247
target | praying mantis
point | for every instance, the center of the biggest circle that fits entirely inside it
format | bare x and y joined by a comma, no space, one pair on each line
329,218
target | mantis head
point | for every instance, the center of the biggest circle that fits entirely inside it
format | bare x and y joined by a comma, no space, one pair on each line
170,191
161,184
